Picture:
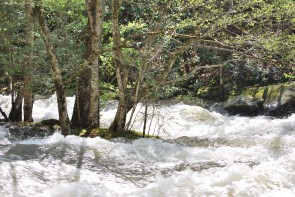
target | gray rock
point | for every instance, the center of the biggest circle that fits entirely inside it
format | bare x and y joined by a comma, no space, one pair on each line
243,105
274,100
19,133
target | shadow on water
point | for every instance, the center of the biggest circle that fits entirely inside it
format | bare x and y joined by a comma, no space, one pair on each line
14,180
81,157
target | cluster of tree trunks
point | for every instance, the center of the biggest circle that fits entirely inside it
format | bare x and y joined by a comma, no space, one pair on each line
86,109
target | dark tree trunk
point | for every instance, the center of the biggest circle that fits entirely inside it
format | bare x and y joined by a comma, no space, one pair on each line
4,115
81,107
28,70
221,84
15,114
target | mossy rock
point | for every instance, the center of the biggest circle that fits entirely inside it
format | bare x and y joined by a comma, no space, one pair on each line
50,122
275,100
108,134
269,93
27,130
209,93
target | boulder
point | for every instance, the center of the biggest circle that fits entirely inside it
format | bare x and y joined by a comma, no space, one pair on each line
274,100
22,132
243,105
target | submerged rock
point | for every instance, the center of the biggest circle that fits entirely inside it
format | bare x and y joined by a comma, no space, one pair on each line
23,132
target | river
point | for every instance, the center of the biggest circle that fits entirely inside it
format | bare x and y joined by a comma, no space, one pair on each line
201,153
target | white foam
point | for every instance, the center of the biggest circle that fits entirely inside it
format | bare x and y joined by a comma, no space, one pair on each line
235,176
240,156
47,108
3,139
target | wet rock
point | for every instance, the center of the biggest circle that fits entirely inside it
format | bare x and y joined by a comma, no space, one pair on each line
243,105
50,122
23,132
274,100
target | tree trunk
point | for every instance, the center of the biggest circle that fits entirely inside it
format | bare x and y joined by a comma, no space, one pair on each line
81,108
28,70
87,99
121,71
15,114
145,118
96,12
221,84
60,92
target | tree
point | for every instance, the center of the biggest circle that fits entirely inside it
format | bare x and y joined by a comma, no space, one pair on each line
140,47
28,70
12,53
121,68
154,41
86,110
232,28
56,73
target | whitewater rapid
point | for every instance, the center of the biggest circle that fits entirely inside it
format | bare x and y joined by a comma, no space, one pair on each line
202,153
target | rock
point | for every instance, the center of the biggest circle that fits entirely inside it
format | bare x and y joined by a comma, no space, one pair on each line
285,104
23,132
50,122
209,93
275,100
243,105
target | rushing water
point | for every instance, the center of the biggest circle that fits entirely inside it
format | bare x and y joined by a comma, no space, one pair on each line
202,154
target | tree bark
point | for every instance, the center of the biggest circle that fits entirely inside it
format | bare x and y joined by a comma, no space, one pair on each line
96,12
28,68
56,73
15,114
221,84
87,99
81,108
121,71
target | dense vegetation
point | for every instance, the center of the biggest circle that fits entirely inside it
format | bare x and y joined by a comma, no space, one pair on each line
138,51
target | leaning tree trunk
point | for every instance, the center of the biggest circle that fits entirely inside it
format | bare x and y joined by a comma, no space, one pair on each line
86,110
121,71
28,69
60,92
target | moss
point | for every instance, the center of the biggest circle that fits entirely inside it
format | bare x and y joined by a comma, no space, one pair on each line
255,92
267,93
209,92
50,122
108,134
22,124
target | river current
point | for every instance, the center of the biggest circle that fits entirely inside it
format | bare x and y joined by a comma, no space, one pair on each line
201,153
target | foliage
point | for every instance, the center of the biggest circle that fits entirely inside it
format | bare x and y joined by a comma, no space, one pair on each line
167,42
